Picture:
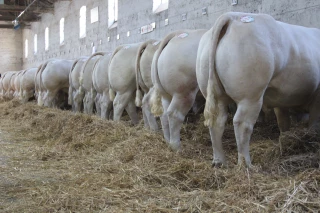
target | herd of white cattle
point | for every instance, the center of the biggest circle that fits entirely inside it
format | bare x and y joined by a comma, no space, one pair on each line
248,59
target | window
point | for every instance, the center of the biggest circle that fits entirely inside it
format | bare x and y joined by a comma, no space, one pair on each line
46,39
35,44
112,13
82,21
94,14
160,5
61,31
26,48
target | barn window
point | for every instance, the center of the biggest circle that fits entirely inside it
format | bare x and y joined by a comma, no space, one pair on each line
61,30
112,13
94,14
35,44
26,48
160,5
46,38
82,21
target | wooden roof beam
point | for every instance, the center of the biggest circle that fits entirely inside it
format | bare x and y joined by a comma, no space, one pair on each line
12,8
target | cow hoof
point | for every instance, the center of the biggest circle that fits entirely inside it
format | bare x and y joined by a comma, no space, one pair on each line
217,164
175,146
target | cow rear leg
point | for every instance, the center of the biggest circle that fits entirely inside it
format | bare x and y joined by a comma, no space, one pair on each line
216,132
49,100
283,119
164,118
178,109
243,121
97,101
106,106
314,113
132,112
120,103
148,116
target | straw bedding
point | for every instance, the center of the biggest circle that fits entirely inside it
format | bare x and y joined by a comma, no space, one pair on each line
57,161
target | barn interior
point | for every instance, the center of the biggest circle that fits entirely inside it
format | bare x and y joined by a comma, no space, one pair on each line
54,160
104,33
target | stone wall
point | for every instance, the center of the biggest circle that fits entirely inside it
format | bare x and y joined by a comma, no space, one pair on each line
135,14
10,50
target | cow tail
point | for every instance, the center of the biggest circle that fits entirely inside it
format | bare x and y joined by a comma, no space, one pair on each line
70,92
214,84
21,81
3,91
83,68
155,100
40,99
112,93
138,100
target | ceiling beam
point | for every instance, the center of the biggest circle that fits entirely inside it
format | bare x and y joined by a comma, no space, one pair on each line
15,8
8,18
6,26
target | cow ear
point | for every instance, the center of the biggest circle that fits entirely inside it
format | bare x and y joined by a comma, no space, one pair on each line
142,50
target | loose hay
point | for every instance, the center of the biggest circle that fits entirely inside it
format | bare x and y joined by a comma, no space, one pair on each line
58,161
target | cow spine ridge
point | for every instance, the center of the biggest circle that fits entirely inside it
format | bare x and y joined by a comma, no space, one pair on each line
214,83
155,101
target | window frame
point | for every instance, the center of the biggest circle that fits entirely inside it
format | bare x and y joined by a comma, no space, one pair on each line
35,44
61,34
46,39
160,5
83,22
94,15
113,13
26,48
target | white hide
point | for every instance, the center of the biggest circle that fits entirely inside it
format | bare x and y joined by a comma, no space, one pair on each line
253,63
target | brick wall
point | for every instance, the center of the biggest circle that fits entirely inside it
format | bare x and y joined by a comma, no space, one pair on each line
134,14
10,50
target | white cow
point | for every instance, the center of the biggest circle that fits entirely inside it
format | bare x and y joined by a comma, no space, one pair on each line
16,83
175,83
100,83
144,58
12,89
55,80
40,91
27,85
7,91
252,59
123,82
1,88
75,99
86,90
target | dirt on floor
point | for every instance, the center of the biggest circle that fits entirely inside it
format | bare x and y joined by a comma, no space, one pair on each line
58,161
